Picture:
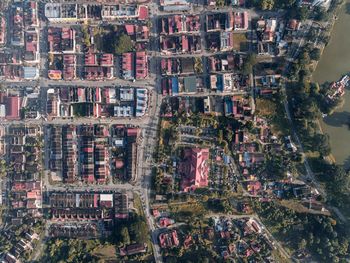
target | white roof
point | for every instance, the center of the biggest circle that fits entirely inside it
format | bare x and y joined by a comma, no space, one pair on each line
106,197
2,110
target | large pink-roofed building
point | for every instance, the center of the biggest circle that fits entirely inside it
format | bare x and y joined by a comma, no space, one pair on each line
13,105
194,169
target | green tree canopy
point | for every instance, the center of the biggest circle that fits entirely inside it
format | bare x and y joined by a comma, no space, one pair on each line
123,44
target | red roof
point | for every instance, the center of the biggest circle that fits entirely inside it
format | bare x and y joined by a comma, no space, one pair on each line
130,29
195,168
12,108
127,61
184,43
132,132
107,59
168,239
143,12
90,59
119,164
31,46
67,33
141,65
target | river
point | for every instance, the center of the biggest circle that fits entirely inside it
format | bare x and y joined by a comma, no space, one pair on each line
334,63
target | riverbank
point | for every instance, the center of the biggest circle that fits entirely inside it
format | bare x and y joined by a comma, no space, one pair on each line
333,64
330,158
334,15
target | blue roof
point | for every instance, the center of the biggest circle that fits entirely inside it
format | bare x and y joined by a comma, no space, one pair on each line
246,157
175,86
228,106
30,72
226,159
220,83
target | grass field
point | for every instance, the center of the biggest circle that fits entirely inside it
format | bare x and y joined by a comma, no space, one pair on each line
240,42
265,107
106,253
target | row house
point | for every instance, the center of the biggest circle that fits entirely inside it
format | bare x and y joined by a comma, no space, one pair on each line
134,65
138,33
177,24
98,66
3,30
31,52
61,40
180,44
112,12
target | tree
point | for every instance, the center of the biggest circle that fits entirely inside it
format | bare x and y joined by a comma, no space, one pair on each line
343,246
249,64
267,4
123,44
220,3
139,230
220,136
302,244
249,125
321,13
86,36
315,54
274,167
304,59
321,142
302,13
125,235
299,157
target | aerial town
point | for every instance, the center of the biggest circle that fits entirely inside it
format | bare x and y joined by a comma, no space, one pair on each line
170,131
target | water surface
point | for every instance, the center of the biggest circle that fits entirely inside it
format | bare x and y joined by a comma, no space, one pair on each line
334,63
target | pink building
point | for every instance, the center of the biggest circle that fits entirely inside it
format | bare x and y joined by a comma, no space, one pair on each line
169,239
13,105
194,169
241,21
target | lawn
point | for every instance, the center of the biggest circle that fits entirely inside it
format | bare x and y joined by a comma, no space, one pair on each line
240,42
265,107
106,253
187,210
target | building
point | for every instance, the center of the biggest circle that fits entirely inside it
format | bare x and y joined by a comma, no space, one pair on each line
13,106
175,5
175,24
131,11
266,29
30,73
31,14
70,153
169,239
128,67
241,21
133,249
3,28
194,169
17,24
313,3
141,65
121,202
141,102
98,66
53,103
31,52
61,40
57,12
